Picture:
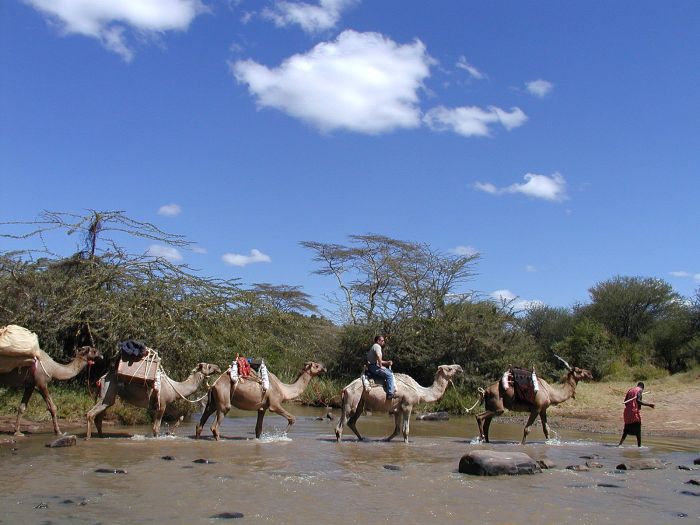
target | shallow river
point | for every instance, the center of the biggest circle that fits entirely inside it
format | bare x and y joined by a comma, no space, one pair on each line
305,477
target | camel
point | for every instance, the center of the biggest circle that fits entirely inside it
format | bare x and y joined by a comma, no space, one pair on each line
409,393
39,373
140,395
247,394
496,399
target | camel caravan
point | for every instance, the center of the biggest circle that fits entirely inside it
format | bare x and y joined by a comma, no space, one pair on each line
138,378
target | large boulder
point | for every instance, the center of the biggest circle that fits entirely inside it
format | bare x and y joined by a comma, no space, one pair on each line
493,463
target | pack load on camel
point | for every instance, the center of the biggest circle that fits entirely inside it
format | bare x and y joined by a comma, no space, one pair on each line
523,382
18,347
137,363
251,369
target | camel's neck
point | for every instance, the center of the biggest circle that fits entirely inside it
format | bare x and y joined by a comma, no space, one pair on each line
435,391
295,389
58,371
563,391
189,385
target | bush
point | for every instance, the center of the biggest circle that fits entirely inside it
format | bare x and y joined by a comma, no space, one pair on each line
589,346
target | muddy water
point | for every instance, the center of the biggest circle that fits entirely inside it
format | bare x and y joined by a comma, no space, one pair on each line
307,478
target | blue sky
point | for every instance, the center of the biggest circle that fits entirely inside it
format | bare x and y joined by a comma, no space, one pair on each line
560,140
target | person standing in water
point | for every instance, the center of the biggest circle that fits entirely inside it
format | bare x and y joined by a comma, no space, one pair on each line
632,414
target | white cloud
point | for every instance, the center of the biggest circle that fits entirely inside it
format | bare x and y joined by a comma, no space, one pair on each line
312,18
680,274
471,121
530,268
537,186
686,275
166,252
539,88
198,249
473,72
517,304
361,82
464,251
235,259
170,210
107,20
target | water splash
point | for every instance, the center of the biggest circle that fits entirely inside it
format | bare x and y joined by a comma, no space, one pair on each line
275,436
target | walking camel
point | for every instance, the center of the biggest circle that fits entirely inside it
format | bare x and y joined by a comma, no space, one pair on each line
140,395
247,394
408,394
38,373
496,400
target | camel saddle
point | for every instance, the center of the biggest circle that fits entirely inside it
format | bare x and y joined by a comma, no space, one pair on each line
523,385
137,363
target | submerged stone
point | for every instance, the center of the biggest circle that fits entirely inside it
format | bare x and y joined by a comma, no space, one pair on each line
494,463
110,471
433,416
227,516
203,461
63,441
641,464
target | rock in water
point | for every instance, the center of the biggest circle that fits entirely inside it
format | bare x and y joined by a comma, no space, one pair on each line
63,441
641,464
433,416
493,463
227,516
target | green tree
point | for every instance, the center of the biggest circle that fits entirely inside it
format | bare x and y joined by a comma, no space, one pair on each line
589,346
629,306
547,325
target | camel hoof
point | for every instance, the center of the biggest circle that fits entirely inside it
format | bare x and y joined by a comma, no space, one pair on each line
19,434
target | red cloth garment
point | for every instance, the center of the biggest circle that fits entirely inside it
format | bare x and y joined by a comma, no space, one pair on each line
632,413
243,367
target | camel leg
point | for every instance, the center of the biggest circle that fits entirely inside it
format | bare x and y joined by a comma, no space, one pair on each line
220,414
339,427
406,422
22,408
108,395
487,427
51,406
397,426
282,412
530,421
157,418
484,422
545,425
355,416
98,422
259,422
208,411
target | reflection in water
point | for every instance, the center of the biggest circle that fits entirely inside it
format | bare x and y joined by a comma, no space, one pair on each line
306,477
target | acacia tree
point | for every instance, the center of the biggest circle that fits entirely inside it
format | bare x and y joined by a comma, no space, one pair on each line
383,279
102,293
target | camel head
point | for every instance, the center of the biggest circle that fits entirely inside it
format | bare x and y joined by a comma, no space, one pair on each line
580,374
88,353
449,371
313,368
206,369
